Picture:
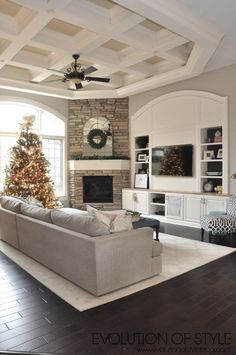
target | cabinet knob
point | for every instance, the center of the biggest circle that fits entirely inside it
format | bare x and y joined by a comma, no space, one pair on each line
135,198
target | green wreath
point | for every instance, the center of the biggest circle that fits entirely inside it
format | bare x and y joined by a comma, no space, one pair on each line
94,133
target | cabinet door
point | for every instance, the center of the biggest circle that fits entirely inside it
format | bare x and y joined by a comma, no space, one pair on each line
127,200
174,206
192,208
214,204
141,202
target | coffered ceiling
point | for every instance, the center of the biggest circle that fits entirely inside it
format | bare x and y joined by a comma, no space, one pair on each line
138,44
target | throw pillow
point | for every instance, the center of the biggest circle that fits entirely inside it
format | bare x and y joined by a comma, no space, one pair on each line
119,223
110,214
73,210
11,203
36,212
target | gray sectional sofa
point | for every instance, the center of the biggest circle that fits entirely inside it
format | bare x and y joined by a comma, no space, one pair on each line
98,263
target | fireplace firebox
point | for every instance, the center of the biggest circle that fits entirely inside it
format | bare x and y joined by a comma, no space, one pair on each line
98,189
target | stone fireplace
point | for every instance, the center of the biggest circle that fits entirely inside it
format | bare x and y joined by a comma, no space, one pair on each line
117,113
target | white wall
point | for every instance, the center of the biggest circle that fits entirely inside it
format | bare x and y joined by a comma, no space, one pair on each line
56,104
221,82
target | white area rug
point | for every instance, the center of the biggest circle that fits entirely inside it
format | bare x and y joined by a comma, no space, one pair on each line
179,256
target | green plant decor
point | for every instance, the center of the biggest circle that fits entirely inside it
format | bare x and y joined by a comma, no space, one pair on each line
99,157
97,133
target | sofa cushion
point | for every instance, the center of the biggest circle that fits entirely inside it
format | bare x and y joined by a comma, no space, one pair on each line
73,210
156,248
116,223
42,214
79,222
11,203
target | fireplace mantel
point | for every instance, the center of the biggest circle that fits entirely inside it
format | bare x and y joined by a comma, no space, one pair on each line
106,164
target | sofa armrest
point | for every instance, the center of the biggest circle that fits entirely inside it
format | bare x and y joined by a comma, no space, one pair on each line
123,258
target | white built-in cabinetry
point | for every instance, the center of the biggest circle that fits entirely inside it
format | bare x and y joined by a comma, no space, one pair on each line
136,201
196,206
182,208
184,117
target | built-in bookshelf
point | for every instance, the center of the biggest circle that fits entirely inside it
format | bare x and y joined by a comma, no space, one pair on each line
142,155
212,159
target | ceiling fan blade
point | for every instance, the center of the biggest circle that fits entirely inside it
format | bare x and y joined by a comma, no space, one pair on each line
57,71
44,81
103,80
51,81
78,86
89,70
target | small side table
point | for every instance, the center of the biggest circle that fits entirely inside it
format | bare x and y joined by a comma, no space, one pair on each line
148,222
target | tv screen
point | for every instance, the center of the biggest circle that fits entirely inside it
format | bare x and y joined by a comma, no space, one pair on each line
173,160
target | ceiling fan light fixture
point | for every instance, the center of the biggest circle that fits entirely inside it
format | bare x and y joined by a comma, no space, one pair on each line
75,80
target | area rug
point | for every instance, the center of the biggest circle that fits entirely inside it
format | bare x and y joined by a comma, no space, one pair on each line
179,256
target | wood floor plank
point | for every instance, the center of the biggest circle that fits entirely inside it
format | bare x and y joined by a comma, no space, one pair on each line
3,328
30,345
9,318
203,299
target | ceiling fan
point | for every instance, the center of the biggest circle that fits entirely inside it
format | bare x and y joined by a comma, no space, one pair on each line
76,74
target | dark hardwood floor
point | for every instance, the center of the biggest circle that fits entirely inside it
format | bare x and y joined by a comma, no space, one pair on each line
195,233
195,311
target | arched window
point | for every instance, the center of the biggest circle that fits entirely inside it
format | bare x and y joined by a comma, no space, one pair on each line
47,125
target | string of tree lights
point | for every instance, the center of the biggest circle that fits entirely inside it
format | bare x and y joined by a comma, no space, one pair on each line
28,172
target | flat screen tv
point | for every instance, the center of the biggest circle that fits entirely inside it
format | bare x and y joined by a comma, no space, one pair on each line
173,160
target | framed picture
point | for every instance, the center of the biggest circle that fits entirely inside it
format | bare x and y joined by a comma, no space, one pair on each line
141,157
142,171
208,155
141,181
220,154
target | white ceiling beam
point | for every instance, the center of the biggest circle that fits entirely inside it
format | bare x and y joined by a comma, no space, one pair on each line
23,17
35,88
177,55
3,44
86,42
34,59
15,73
8,24
56,39
116,21
143,67
30,29
174,16
84,14
49,6
104,56
163,41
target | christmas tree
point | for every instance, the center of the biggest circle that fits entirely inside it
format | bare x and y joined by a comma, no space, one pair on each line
172,164
28,172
